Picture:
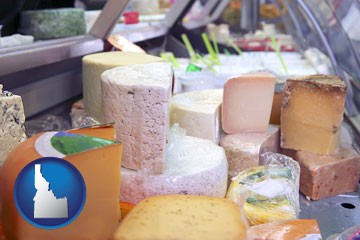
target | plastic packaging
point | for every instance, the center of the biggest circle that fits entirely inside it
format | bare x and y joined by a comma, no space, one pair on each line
352,233
269,192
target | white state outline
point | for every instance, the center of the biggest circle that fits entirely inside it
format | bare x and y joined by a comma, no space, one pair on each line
44,148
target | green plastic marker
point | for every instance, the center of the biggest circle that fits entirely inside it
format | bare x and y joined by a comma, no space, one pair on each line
173,60
227,52
189,47
214,40
208,64
277,49
236,48
193,68
208,46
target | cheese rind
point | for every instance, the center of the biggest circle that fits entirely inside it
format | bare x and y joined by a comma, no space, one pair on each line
137,99
329,175
12,123
193,166
312,114
243,150
247,102
101,213
198,113
94,65
183,217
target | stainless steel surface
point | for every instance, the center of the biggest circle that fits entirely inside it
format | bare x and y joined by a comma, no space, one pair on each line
175,11
46,52
141,33
109,16
334,214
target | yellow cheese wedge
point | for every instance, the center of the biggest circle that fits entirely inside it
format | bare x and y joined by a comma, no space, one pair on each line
100,169
312,114
183,217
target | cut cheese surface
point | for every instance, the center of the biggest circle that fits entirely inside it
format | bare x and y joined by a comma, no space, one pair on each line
276,105
329,175
312,114
137,99
12,121
243,150
100,170
193,166
247,102
183,217
296,229
95,64
198,113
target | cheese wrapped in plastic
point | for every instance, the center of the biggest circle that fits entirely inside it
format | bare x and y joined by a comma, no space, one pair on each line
269,192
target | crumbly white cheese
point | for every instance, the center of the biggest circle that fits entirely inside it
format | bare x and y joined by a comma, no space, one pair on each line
12,130
137,99
198,113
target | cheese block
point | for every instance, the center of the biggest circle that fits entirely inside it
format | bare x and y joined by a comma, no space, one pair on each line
247,102
198,113
269,192
183,217
296,229
99,165
312,113
137,99
12,123
94,65
243,150
276,105
328,175
193,166
52,23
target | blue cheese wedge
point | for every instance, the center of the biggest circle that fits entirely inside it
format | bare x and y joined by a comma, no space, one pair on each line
12,121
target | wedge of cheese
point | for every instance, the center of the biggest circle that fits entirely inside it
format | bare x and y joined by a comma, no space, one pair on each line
183,217
296,229
193,166
329,175
312,113
243,150
198,113
12,121
137,99
99,166
94,65
247,102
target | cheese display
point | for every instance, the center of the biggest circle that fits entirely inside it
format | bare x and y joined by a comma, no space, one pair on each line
276,105
183,217
243,150
94,65
137,99
192,166
247,102
329,175
269,192
312,113
298,229
52,23
12,123
97,159
198,113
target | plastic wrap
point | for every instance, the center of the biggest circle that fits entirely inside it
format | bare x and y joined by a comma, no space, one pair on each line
192,166
269,192
352,233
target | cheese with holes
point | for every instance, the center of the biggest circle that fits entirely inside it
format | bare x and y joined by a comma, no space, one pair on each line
99,165
12,123
94,65
193,166
243,150
247,102
312,113
183,217
296,229
137,99
198,113
329,175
